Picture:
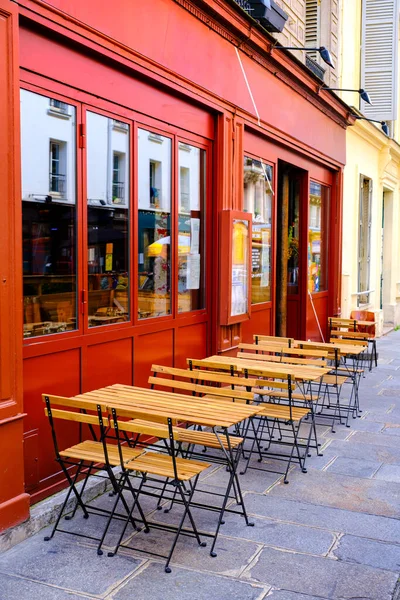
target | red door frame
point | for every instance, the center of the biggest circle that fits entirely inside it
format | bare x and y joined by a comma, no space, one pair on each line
14,502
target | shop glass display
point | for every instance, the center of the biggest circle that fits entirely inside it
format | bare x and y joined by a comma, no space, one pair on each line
258,195
154,225
48,134
319,203
293,270
191,226
108,220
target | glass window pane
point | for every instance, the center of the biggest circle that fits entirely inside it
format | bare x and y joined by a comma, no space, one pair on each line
318,238
191,234
258,201
154,227
48,214
108,220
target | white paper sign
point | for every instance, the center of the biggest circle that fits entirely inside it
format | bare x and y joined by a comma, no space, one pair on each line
193,272
194,236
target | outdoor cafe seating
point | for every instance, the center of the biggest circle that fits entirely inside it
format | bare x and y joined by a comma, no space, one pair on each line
253,411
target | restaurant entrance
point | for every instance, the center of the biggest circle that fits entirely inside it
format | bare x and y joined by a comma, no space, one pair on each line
290,280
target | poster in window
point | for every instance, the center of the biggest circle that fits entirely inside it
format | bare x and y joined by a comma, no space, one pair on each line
265,251
239,293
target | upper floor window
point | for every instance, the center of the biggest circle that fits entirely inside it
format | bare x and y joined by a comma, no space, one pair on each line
364,240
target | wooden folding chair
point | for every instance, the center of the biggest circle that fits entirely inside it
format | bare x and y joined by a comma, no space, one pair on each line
176,471
89,457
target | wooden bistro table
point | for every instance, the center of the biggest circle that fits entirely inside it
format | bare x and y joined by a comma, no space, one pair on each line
306,374
338,351
217,414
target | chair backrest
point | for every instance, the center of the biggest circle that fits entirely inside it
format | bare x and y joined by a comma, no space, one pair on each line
198,388
349,342
285,341
74,410
282,358
364,315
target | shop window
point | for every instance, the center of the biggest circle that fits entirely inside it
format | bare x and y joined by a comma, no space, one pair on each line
191,230
318,242
258,201
364,241
154,225
48,217
107,221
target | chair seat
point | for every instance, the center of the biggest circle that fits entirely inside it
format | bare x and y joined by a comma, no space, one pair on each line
155,463
94,452
201,438
282,411
295,395
334,380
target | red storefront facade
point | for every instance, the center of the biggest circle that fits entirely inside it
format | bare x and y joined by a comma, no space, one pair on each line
173,75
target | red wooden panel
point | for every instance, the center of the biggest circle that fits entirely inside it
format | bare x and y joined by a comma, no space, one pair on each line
190,342
14,503
321,307
260,323
50,58
151,348
108,363
59,374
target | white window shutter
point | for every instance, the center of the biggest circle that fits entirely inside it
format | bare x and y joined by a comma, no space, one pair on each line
312,26
379,48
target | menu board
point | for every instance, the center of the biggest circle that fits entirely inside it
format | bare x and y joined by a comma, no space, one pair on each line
239,292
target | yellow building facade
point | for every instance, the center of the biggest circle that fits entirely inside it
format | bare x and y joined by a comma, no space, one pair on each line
371,198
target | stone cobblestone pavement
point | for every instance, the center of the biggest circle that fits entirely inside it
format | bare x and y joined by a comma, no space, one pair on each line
333,533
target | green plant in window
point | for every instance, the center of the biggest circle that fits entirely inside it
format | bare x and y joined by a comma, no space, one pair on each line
293,243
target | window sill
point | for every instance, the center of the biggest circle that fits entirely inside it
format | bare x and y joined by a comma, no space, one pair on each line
58,113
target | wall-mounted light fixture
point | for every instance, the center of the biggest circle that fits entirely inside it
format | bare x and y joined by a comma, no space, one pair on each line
324,52
364,94
383,124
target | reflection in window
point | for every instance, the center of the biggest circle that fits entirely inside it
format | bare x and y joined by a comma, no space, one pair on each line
318,238
48,216
108,220
191,219
258,202
293,268
154,225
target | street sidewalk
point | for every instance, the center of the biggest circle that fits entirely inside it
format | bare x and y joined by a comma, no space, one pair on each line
333,533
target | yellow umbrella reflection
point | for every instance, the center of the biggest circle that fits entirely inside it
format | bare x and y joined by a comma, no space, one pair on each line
156,248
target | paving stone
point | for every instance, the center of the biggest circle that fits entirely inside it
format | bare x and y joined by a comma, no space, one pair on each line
153,583
280,535
392,429
252,481
232,555
341,491
388,473
354,467
382,454
364,437
333,519
369,552
285,595
16,588
364,425
390,392
66,563
321,576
